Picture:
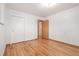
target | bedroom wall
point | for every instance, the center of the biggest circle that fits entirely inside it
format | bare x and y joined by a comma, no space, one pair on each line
2,40
20,26
64,26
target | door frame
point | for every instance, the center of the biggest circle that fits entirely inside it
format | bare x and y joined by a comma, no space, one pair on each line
42,26
38,27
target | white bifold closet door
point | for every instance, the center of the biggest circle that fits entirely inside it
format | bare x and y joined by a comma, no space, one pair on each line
22,29
17,30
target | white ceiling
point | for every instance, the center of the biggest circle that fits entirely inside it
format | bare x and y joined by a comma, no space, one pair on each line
38,10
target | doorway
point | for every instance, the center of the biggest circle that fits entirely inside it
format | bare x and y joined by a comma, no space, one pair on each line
42,29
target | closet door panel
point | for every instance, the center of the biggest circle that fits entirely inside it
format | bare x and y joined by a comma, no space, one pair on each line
17,30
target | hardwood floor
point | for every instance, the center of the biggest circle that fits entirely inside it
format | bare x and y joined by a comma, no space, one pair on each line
41,47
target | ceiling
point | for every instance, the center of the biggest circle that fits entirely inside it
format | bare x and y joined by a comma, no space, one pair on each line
39,10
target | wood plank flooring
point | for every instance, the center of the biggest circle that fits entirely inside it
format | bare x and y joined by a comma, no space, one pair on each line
40,47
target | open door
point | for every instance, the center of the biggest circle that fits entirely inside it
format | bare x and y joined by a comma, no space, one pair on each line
45,29
42,29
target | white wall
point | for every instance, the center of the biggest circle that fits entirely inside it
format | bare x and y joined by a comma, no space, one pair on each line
64,26
2,40
20,26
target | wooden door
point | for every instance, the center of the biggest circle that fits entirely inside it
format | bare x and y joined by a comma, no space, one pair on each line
43,29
